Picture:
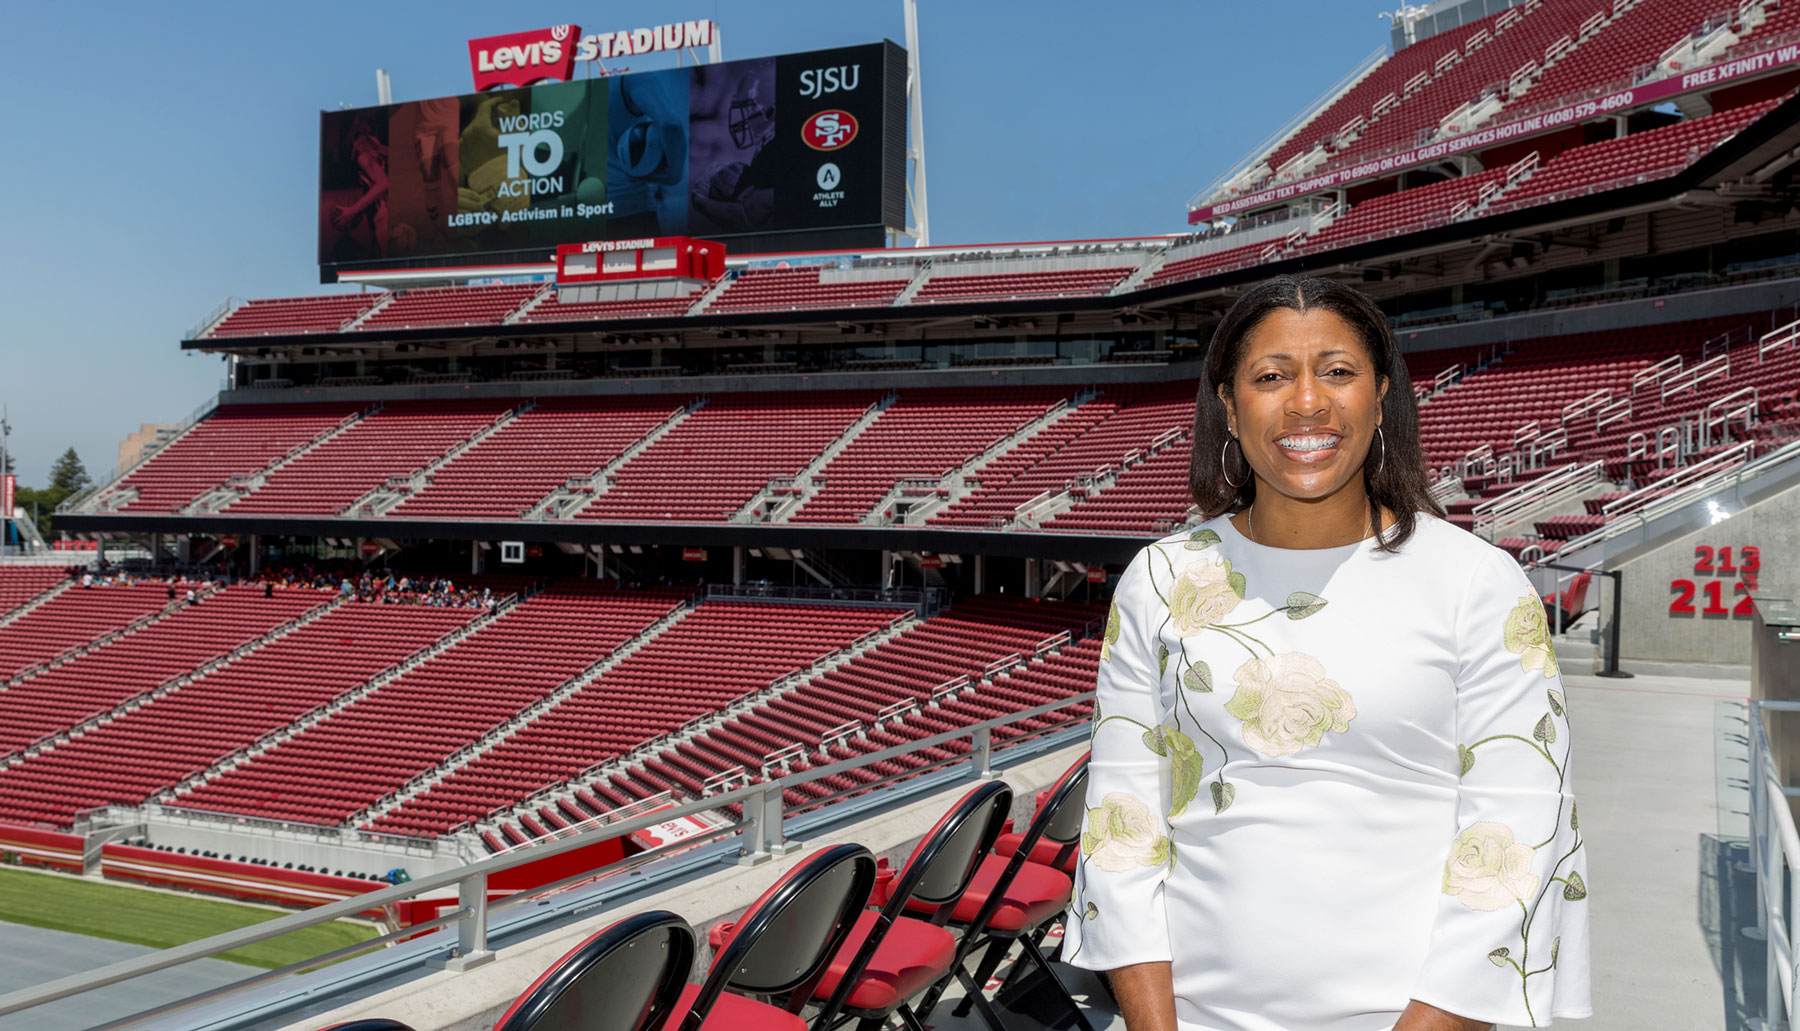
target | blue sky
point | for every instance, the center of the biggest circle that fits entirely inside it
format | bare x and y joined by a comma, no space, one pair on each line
164,157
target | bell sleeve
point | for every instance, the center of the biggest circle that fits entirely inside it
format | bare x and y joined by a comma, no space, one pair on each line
1116,915
1509,941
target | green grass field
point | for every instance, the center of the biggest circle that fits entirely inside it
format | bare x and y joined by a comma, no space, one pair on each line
159,919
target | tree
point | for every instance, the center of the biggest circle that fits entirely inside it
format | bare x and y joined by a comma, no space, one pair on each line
68,475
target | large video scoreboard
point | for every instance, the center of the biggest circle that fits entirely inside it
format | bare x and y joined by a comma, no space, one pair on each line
789,152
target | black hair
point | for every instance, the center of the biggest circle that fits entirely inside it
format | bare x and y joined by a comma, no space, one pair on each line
1393,472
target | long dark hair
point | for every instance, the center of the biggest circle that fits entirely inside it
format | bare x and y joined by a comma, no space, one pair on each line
1393,472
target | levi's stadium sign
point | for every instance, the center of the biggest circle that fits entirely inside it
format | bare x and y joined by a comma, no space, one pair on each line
523,58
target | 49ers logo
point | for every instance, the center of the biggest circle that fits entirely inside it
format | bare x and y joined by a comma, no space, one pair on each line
829,130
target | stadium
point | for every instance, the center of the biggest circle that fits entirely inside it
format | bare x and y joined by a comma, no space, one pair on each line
645,507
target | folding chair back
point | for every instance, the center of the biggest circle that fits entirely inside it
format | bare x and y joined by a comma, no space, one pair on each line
624,978
782,943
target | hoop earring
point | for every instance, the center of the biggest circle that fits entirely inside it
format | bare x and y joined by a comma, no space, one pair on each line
1381,463
1224,464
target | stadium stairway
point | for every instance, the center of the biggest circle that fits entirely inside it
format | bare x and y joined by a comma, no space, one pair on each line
26,595
992,463
216,498
424,781
566,501
775,502
383,498
226,763
134,669
577,796
77,622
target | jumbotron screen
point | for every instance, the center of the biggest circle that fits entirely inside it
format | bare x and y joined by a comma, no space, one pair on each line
776,149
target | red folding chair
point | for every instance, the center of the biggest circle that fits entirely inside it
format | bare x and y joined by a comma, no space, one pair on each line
890,957
779,948
1009,899
624,978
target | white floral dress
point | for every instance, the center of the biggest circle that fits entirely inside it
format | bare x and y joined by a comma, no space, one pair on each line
1327,782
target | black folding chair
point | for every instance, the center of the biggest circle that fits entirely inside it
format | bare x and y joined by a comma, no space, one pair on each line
779,948
890,957
624,978
1013,907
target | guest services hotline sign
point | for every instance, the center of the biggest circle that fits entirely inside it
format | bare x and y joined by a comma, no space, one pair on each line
791,144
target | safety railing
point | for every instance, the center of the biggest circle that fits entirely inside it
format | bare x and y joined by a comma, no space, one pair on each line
1775,853
759,832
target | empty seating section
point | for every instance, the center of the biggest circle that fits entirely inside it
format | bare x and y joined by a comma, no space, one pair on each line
923,435
401,438
1538,378
712,656
777,288
994,497
944,286
343,764
1609,60
235,440
1125,419
1484,69
451,306
506,473
1384,85
157,745
131,664
1640,157
1147,498
1209,263
20,585
74,618
720,455
968,639
552,310
1403,212
280,316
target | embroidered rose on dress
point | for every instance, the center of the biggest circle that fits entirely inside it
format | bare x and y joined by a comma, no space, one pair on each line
1487,869
1203,594
1122,834
1528,635
1287,703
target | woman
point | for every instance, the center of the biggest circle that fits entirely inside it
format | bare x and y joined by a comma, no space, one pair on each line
1329,788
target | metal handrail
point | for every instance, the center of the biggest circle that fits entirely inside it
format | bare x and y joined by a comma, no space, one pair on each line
760,830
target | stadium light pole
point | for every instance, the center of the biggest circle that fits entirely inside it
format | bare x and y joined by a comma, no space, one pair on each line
915,116
5,466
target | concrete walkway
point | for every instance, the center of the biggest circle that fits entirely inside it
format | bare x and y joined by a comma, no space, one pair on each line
35,955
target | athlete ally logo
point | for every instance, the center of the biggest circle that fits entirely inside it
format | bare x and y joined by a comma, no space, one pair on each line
829,176
829,130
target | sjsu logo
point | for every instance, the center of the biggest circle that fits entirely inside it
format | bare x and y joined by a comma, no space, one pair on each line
829,130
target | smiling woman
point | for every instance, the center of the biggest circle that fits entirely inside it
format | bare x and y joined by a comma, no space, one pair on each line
1367,696
1306,404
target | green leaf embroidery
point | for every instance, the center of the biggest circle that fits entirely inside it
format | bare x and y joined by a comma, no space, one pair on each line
1154,740
1555,947
1198,677
1238,584
1222,794
1465,756
1111,637
1574,824
1200,540
1576,889
1301,604
1162,659
1556,701
1159,853
1186,767
1545,730
1090,841
1245,703
1498,956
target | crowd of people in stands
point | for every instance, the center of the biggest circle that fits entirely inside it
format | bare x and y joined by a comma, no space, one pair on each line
383,587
